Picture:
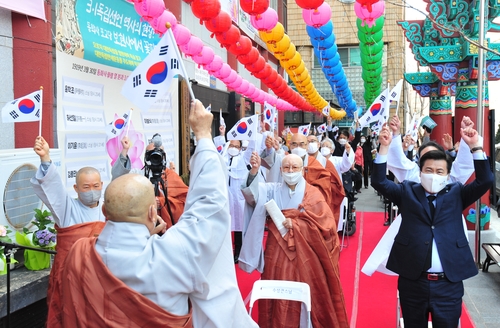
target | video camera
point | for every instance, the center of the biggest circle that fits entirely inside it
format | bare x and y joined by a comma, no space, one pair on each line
155,160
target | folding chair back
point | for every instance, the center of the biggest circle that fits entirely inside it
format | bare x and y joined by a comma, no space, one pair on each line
282,290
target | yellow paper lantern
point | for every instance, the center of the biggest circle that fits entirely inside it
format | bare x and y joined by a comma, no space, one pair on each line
288,53
281,46
274,35
293,62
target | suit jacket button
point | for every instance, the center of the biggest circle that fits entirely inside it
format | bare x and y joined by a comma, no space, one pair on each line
427,243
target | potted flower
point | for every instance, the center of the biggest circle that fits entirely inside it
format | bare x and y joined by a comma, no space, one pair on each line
4,237
42,237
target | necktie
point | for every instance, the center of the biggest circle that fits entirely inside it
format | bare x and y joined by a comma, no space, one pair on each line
230,162
428,262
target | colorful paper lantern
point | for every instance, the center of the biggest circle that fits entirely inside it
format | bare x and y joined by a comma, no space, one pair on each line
230,78
240,47
159,24
220,23
367,4
265,21
214,65
205,9
321,32
369,17
226,39
281,46
254,7
249,57
243,88
204,57
193,47
257,65
149,9
317,17
181,34
309,4
274,35
223,72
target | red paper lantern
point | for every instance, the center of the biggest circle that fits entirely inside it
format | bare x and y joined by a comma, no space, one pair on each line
257,65
309,4
226,39
241,47
367,3
265,72
205,9
254,7
220,23
271,78
249,58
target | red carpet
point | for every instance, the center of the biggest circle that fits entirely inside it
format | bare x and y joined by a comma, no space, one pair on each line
370,301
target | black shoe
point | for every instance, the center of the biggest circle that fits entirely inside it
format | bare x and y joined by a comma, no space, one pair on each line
355,198
387,223
358,191
366,187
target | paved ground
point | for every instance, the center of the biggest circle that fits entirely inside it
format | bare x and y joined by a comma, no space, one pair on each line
482,292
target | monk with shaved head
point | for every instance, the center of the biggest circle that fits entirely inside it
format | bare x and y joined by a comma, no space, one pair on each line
306,249
130,276
74,218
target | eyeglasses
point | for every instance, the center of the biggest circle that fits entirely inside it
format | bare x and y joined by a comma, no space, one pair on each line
233,146
291,168
302,145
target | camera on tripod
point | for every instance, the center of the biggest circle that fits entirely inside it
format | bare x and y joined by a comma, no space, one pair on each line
155,160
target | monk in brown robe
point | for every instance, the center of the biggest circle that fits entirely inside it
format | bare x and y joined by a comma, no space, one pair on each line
307,253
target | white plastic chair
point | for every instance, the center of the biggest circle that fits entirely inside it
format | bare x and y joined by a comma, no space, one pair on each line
282,290
343,221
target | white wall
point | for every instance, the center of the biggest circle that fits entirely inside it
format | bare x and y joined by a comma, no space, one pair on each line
7,84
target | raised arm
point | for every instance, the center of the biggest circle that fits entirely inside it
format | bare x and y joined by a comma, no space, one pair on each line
122,164
397,162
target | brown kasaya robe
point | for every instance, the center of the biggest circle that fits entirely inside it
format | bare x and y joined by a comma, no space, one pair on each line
337,190
66,237
176,195
308,253
93,297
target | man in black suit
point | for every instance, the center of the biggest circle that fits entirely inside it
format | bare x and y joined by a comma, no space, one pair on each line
431,253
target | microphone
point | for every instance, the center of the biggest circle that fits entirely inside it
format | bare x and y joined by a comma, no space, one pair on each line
156,140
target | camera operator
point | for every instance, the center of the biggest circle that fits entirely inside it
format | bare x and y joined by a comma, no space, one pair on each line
165,180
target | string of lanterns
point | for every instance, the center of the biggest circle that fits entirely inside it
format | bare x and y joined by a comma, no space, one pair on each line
319,27
154,12
370,25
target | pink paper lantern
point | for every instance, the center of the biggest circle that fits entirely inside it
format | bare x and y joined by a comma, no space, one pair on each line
265,21
193,47
236,84
205,57
159,24
149,9
251,90
260,97
224,72
317,17
369,17
243,87
214,65
230,78
181,34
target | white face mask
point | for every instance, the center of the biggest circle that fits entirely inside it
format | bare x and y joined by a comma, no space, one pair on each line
292,178
299,151
363,140
342,141
312,148
433,183
89,198
325,151
233,152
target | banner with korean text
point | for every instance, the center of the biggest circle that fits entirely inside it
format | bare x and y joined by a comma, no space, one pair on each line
99,43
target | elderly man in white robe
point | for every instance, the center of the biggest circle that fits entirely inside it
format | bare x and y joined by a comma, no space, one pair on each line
74,218
405,169
309,226
341,164
191,262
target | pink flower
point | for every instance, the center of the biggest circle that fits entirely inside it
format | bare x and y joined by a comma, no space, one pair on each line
3,231
114,146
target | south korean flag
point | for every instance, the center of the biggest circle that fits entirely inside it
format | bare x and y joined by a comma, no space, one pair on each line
152,78
245,129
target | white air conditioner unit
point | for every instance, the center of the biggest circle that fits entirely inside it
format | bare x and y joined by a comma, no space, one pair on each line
17,167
